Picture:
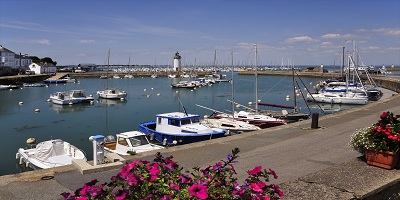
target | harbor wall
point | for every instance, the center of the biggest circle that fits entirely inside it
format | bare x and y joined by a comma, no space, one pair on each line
388,83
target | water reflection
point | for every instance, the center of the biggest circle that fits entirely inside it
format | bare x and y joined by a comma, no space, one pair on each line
63,109
111,102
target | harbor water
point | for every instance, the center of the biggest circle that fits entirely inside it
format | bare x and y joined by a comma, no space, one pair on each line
146,98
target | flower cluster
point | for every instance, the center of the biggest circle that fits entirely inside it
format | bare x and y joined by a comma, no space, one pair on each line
383,135
164,179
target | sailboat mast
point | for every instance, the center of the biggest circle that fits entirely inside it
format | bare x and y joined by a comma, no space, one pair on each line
255,68
215,60
233,89
294,90
108,68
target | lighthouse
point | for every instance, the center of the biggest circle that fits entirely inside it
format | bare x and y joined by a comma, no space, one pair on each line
177,62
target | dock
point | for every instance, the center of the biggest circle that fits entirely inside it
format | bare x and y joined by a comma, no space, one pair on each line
310,163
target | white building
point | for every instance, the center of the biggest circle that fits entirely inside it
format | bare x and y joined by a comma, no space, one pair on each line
177,62
9,59
43,68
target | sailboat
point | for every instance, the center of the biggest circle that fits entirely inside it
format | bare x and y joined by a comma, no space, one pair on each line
253,117
230,124
342,97
293,116
129,75
111,93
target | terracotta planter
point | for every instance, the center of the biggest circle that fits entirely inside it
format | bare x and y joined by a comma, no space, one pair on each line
384,159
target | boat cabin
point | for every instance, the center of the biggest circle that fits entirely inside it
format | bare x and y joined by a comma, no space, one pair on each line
175,121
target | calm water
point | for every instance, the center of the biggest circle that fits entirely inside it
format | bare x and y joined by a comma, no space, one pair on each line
77,123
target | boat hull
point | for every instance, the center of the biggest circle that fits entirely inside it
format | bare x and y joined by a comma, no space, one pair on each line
177,138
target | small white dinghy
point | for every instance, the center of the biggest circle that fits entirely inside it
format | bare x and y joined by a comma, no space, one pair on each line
49,154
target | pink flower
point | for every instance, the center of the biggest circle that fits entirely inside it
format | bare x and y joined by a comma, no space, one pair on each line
154,169
273,173
257,187
199,191
255,171
153,178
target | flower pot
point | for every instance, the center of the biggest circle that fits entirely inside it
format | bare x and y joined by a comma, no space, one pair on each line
384,159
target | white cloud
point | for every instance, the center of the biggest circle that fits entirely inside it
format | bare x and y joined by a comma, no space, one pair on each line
299,39
331,35
81,55
46,42
86,41
373,47
384,31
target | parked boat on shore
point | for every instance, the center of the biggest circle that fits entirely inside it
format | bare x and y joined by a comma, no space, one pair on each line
49,154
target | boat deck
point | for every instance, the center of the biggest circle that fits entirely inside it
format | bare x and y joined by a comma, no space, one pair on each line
58,76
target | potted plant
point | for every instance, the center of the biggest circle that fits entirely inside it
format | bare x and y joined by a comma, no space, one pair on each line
380,142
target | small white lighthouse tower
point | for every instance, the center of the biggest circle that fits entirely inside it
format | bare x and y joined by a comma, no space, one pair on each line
177,62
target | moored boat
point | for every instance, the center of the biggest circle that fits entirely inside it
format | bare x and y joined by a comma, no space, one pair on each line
49,154
128,143
179,128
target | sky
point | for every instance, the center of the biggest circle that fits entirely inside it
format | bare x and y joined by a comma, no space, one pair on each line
298,32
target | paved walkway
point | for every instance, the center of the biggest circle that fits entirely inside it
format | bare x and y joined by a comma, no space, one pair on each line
310,163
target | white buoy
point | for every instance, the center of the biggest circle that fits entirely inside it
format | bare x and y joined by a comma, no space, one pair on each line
174,142
20,103
151,88
237,106
148,96
158,94
144,90
37,110
250,103
31,140
176,91
191,90
287,96
70,103
122,99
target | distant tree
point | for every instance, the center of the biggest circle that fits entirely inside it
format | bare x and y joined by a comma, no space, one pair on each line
35,59
49,60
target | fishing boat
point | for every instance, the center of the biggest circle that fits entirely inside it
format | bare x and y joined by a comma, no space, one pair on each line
49,154
70,97
111,93
179,128
185,84
128,143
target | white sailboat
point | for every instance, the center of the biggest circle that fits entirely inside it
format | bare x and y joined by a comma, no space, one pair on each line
230,124
254,117
111,93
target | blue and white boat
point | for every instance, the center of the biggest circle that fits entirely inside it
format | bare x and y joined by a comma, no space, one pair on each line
179,128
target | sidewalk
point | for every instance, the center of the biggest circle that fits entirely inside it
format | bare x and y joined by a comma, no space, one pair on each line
310,163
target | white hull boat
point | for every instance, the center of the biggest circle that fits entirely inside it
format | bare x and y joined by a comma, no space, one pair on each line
112,94
338,98
232,126
127,143
49,154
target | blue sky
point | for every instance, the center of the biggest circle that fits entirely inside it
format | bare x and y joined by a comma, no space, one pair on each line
304,32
